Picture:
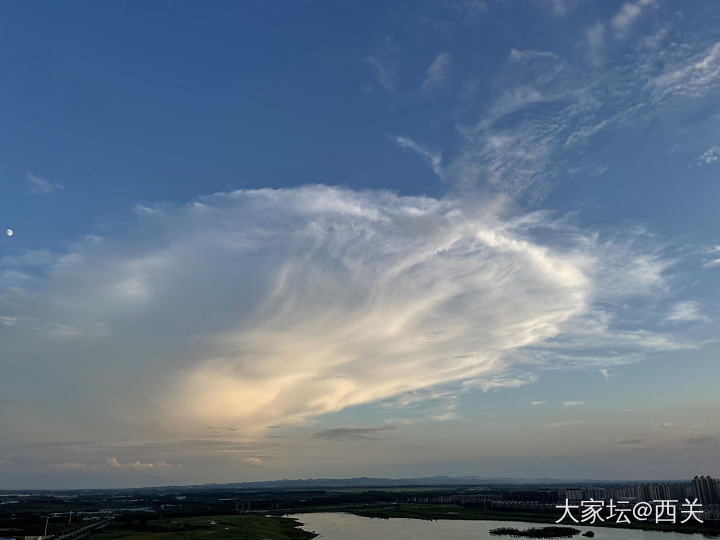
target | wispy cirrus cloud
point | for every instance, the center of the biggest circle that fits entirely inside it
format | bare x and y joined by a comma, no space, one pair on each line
547,109
437,72
715,257
690,75
573,403
433,159
40,185
384,72
686,311
627,14
595,36
561,7
511,148
260,308
263,307
384,64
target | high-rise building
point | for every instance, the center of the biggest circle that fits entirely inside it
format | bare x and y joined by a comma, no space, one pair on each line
643,492
705,489
574,494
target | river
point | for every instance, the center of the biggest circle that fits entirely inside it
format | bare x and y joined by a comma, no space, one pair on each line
337,526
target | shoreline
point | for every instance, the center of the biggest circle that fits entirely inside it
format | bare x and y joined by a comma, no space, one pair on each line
440,512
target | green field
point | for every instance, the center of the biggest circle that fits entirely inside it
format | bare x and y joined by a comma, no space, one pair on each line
245,527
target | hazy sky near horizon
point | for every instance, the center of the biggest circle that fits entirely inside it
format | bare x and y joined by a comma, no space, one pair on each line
269,240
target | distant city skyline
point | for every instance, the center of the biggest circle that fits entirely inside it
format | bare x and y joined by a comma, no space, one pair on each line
263,240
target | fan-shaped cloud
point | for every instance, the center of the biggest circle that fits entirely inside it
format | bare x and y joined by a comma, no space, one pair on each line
257,308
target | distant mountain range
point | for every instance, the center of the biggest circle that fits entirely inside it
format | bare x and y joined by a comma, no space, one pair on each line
366,482
363,482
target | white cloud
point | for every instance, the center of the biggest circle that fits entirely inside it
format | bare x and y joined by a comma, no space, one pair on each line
470,9
628,13
509,161
711,155
507,150
491,383
573,403
113,463
713,251
421,397
268,307
545,112
562,7
407,312
653,41
384,73
595,36
60,330
604,372
686,311
446,417
74,467
253,460
438,72
384,64
40,185
535,403
434,159
692,77
8,321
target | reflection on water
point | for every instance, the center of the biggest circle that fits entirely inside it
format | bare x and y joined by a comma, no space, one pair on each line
336,526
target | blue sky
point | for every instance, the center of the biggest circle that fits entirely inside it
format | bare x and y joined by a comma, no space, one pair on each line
280,239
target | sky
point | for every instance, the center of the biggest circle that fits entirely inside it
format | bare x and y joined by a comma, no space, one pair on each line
266,240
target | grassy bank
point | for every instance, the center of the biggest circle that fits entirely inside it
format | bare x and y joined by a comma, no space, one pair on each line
244,527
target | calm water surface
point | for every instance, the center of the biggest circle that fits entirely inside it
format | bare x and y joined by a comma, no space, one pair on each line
336,526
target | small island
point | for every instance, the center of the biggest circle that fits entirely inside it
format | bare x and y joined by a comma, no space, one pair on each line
543,532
